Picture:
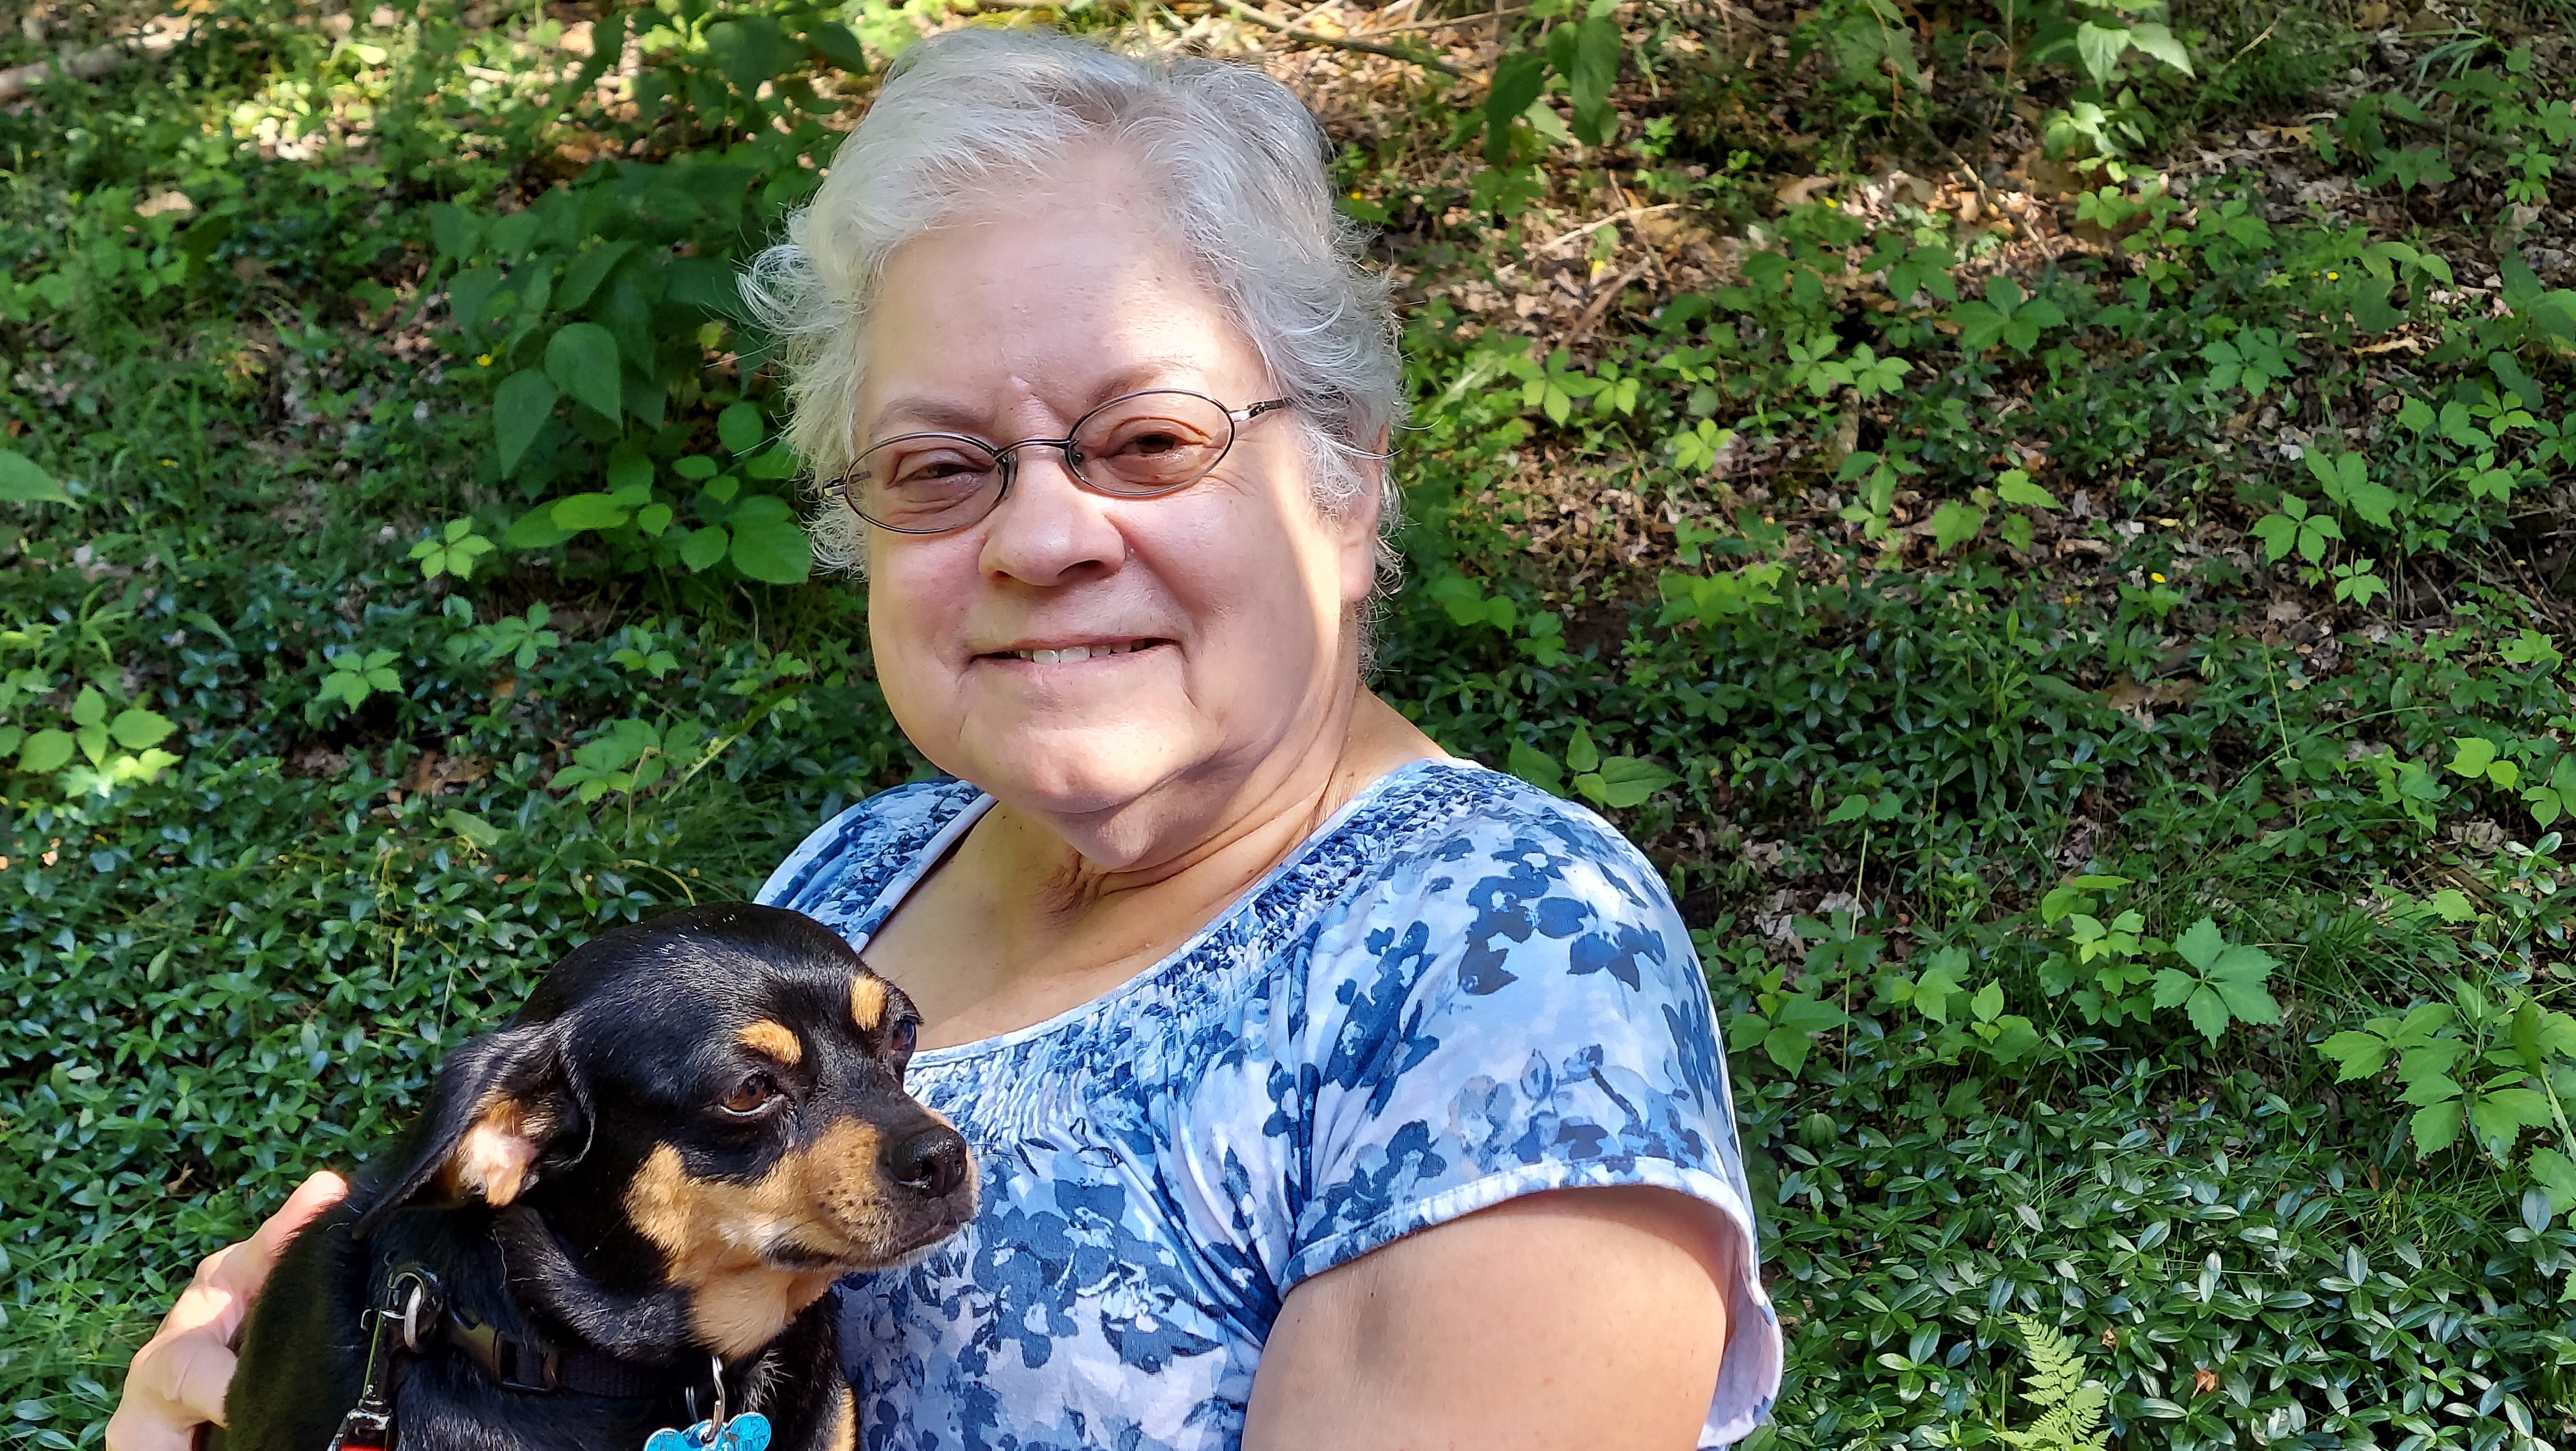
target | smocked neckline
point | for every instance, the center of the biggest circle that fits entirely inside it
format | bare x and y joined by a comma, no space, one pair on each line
891,899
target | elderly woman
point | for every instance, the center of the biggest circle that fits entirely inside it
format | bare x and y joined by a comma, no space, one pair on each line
1329,1091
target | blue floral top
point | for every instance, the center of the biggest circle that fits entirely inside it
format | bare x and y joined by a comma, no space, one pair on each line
1460,990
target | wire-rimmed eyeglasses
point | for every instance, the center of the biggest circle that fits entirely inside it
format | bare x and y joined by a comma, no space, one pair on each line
1136,446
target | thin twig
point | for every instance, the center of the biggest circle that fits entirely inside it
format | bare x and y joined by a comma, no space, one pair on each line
1476,19
1601,303
1241,11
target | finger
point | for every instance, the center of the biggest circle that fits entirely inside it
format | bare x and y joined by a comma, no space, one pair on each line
309,1199
200,1368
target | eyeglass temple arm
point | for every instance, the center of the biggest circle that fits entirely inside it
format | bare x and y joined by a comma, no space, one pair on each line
1252,411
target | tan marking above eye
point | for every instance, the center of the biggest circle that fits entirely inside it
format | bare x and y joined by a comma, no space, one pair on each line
776,1040
867,1002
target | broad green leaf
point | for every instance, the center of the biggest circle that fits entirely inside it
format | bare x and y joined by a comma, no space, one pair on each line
741,427
583,277
2014,487
537,529
2355,1054
21,482
1788,1048
1536,767
588,511
1988,1002
473,828
582,359
136,728
2208,1012
521,408
45,751
2100,46
2200,944
2158,41
1955,523
1627,781
2435,1127
769,545
2557,1175
1580,753
1518,79
2474,755
834,43
704,547
1597,44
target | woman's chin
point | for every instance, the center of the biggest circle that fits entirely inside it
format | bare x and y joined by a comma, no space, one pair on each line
1072,772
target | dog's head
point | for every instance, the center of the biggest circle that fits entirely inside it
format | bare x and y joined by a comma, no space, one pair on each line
723,1084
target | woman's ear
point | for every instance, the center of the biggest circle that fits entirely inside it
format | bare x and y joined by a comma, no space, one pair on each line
500,1102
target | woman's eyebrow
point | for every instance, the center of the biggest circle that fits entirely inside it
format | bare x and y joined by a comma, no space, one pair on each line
920,411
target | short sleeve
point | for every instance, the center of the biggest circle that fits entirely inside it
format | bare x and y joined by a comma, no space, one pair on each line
1518,1008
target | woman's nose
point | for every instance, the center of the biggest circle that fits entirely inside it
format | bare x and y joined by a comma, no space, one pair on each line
1049,529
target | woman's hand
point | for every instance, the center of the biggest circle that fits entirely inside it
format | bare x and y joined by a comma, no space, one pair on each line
177,1381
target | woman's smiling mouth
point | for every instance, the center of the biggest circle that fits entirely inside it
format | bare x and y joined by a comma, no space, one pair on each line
1074,654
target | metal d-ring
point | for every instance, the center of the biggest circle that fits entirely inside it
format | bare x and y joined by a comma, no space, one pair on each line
419,1307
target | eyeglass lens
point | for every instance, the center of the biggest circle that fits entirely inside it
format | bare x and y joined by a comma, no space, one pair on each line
1151,443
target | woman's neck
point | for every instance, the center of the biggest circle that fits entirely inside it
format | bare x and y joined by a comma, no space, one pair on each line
1024,922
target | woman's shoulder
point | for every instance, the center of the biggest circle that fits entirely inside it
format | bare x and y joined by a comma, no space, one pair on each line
1495,877
1482,835
852,857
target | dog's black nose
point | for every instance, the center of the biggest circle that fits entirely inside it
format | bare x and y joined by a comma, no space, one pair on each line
932,1161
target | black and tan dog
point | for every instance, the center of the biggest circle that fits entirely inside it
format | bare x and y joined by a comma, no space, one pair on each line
655,1170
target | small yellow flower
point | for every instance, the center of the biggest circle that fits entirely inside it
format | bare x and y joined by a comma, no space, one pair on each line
2334,277
483,360
169,463
2158,578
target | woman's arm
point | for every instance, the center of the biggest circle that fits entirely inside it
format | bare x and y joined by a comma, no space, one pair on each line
1592,1318
178,1378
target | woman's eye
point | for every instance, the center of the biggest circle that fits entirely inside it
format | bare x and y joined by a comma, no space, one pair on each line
903,1035
750,1096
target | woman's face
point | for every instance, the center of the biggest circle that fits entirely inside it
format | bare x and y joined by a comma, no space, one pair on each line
1215,619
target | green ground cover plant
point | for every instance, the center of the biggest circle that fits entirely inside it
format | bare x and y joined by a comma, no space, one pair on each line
2051,523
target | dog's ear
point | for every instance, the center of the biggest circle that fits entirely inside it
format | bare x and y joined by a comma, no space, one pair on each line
500,1103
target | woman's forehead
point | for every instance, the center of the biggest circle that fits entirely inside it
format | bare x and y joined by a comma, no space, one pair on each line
987,313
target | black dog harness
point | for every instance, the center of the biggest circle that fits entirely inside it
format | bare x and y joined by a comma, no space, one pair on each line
415,1318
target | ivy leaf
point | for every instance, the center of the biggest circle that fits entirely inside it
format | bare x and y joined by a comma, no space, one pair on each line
2474,755
520,410
582,359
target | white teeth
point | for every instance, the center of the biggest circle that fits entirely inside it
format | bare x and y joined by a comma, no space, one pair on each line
1076,654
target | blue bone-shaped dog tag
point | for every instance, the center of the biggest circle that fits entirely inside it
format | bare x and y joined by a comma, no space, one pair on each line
746,1432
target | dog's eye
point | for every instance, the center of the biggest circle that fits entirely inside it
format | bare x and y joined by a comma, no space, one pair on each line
904,1033
750,1096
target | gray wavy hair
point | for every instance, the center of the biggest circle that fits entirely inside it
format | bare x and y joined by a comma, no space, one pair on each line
972,113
